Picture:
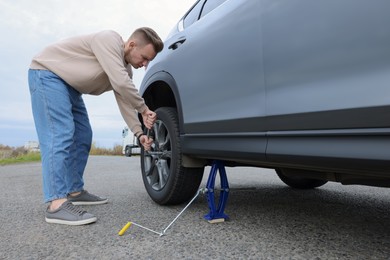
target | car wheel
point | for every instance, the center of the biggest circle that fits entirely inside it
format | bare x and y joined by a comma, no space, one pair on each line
128,151
299,182
166,180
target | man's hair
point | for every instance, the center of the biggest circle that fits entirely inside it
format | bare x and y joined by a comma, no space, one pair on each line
147,35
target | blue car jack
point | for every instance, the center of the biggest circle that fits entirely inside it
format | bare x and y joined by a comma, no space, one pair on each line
217,214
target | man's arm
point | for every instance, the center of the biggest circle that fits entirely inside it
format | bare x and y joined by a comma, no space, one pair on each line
108,47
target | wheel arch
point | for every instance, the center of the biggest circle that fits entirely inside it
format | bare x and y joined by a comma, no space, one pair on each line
160,90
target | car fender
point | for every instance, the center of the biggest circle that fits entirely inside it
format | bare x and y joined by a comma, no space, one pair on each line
159,89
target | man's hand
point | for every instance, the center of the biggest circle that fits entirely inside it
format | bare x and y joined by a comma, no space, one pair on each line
146,142
149,117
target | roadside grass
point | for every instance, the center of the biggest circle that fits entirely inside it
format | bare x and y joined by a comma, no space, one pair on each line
12,155
116,150
28,157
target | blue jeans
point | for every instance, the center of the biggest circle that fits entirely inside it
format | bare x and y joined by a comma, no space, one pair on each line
64,133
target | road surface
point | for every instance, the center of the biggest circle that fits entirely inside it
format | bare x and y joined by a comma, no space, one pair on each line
268,220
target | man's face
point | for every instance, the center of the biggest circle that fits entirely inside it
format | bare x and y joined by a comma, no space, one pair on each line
139,56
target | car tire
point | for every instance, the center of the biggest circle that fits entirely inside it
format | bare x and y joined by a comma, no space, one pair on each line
128,151
166,180
299,182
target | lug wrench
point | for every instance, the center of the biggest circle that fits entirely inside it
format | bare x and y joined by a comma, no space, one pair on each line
162,233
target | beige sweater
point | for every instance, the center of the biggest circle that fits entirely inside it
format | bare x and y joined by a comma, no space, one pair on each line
94,64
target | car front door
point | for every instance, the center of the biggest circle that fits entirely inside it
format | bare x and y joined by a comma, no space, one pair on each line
218,69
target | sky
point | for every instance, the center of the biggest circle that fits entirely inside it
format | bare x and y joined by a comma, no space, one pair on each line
27,27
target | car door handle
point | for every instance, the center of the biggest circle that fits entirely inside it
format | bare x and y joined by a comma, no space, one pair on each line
176,44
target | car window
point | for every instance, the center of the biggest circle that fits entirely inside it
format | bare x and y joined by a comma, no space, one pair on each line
193,15
210,5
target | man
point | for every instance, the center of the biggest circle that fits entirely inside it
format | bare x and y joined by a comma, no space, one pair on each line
58,76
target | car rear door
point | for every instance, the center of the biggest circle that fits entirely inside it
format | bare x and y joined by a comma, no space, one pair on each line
327,68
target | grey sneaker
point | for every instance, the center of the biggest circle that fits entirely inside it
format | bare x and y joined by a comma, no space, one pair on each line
69,214
86,198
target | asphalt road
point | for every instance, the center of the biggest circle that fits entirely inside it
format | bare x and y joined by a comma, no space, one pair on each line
267,219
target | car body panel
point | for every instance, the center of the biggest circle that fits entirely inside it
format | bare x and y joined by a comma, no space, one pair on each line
283,84
219,87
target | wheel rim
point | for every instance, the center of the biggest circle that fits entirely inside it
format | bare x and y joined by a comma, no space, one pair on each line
157,161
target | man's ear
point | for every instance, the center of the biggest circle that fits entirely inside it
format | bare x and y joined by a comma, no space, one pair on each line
131,44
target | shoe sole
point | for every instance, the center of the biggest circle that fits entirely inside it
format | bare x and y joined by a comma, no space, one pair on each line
71,223
86,203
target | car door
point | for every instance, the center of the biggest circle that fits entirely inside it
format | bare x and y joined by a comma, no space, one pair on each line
216,62
327,68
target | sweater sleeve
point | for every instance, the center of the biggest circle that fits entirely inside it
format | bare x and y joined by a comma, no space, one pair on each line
108,48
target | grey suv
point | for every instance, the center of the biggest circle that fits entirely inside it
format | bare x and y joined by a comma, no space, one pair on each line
302,87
